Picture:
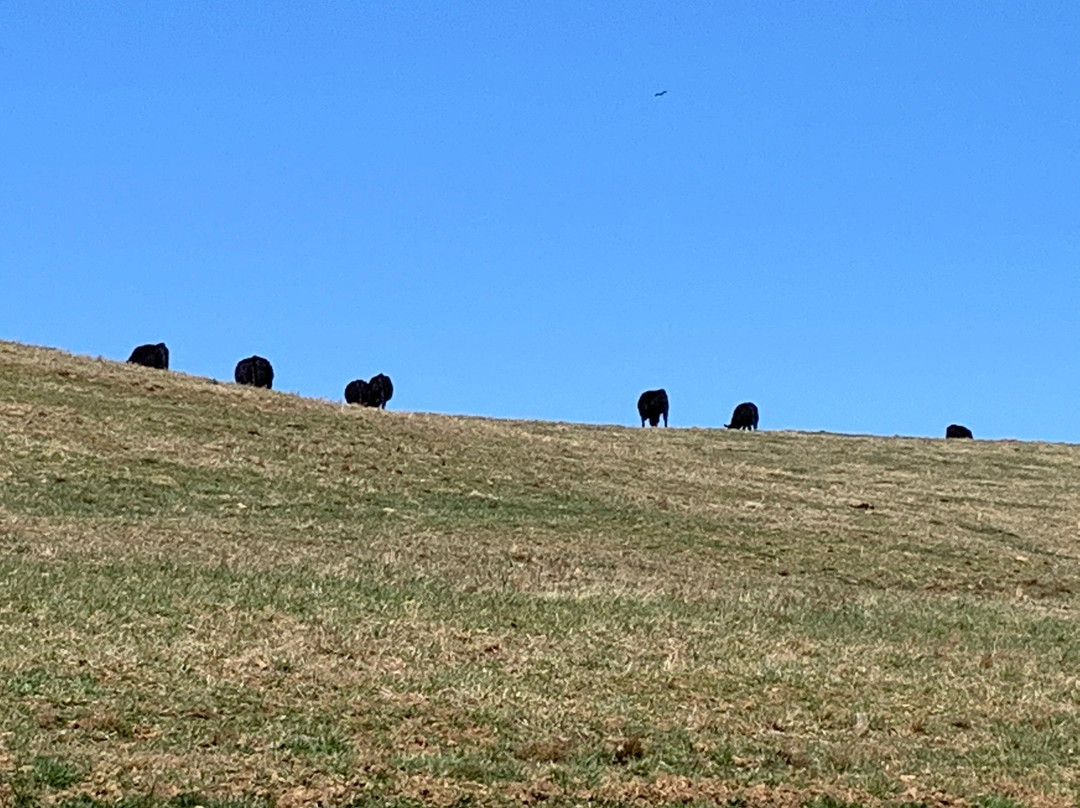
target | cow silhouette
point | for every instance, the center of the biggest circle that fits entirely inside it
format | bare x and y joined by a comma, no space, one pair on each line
744,417
373,393
151,356
254,371
380,390
957,431
355,391
652,405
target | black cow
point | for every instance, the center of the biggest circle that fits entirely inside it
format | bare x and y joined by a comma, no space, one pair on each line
744,417
373,393
356,391
151,356
381,390
651,405
957,431
254,371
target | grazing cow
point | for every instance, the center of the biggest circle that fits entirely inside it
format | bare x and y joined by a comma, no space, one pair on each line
356,391
151,356
381,390
254,371
957,431
744,417
651,405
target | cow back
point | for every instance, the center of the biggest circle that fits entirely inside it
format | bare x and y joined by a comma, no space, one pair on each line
255,371
652,404
151,356
355,391
382,389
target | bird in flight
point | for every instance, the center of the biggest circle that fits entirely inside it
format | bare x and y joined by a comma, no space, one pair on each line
662,92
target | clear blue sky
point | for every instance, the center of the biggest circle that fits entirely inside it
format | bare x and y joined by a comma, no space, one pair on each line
863,216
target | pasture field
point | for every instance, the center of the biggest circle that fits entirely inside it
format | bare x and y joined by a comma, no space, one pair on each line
228,597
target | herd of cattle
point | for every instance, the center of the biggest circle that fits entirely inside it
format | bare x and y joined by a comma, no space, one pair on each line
256,371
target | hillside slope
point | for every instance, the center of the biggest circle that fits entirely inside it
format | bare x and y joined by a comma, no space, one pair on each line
240,593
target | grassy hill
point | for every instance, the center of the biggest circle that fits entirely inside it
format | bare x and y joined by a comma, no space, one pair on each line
222,596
